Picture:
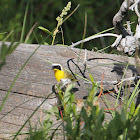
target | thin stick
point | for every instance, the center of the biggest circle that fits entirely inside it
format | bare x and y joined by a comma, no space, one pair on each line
30,32
71,13
92,37
101,85
114,108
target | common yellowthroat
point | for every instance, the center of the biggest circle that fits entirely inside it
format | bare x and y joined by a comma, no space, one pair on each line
60,73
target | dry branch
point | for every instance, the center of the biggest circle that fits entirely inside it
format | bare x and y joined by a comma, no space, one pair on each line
126,42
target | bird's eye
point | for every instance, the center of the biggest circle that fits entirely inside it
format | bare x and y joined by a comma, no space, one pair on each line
57,67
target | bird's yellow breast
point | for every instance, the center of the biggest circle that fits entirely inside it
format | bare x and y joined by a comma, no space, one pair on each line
59,74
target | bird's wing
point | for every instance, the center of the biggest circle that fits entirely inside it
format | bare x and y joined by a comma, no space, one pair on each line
68,75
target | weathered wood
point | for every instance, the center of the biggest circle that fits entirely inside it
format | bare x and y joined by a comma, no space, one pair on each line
36,80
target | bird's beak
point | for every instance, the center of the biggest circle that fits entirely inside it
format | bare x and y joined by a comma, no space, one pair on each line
55,69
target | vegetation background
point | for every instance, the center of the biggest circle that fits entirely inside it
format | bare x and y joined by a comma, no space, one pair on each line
44,13
99,18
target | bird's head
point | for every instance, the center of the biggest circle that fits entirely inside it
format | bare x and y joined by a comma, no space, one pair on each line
56,67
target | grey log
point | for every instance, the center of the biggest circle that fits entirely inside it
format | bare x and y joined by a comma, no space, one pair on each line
36,80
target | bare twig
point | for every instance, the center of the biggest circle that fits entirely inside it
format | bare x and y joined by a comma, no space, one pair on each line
126,43
136,11
117,41
137,33
30,32
118,18
129,28
115,82
132,7
85,58
92,37
135,7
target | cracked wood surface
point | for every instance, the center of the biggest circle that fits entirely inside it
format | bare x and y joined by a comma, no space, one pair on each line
36,80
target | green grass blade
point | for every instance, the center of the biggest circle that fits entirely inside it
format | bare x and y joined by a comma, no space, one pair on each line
8,35
51,138
134,94
31,116
16,79
24,22
30,32
45,30
121,86
14,108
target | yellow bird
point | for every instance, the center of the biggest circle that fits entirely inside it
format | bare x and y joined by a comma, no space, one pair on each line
60,73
